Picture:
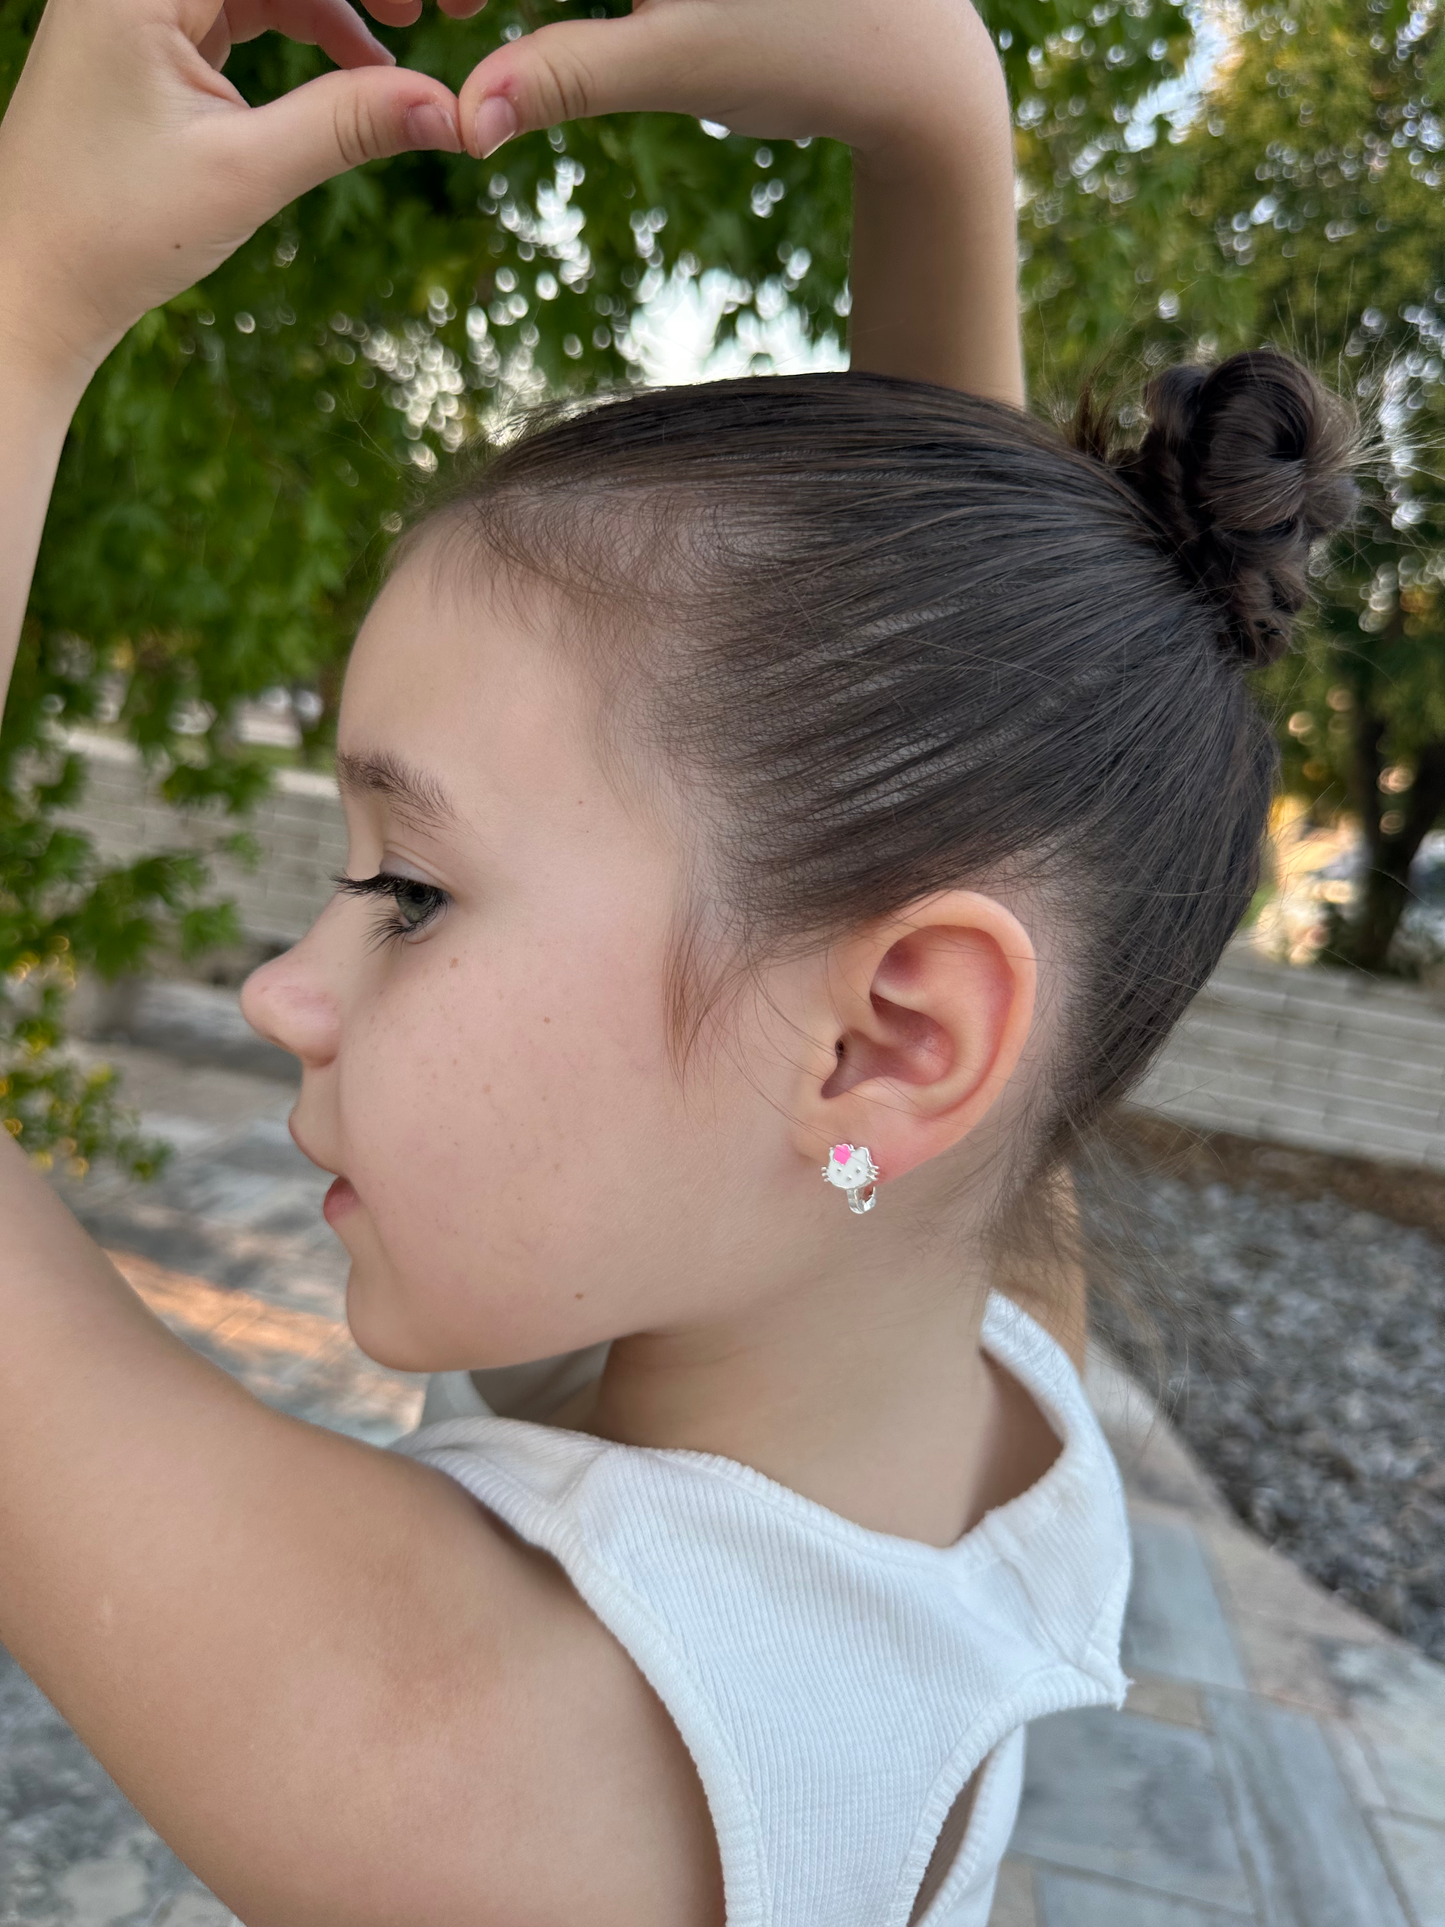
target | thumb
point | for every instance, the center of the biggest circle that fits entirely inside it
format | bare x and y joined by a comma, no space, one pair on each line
574,69
334,123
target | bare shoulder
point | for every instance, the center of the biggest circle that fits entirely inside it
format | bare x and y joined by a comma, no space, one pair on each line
406,1713
608,1820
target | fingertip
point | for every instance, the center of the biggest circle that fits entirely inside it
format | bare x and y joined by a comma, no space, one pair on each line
494,75
395,13
493,123
430,126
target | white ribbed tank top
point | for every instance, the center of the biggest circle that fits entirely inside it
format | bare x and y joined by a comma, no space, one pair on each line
836,1687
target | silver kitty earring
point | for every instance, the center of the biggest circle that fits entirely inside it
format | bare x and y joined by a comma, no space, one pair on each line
851,1168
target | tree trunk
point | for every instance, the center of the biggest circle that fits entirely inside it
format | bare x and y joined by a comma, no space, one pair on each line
1364,940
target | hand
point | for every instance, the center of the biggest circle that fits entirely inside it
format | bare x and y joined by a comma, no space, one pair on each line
873,73
130,168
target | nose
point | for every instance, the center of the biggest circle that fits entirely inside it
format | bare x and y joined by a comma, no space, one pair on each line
287,1005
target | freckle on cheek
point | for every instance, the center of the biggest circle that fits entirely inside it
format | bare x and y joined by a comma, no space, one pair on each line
576,1294
454,962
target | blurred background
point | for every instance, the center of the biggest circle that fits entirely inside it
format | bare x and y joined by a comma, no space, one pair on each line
1267,1235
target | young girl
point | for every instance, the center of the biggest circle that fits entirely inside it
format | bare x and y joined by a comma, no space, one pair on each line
782,813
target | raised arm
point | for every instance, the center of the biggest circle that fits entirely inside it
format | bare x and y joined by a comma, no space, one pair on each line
934,274
915,90
130,168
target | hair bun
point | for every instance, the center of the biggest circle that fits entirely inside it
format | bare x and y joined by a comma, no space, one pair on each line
1242,468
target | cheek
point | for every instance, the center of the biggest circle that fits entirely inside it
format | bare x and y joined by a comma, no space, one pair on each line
496,1114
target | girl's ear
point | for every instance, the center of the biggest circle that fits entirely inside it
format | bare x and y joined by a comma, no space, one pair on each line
919,1024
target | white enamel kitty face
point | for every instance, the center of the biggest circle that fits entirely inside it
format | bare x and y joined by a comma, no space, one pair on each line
849,1166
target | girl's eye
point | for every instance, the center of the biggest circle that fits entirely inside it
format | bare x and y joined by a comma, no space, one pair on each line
415,903
409,906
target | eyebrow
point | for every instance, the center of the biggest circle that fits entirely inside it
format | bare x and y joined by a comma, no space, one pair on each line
414,795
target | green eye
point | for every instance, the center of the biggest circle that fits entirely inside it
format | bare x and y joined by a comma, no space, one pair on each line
415,902
411,905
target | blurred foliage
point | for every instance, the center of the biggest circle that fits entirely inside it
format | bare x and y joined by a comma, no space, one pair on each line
1338,230
1302,206
233,476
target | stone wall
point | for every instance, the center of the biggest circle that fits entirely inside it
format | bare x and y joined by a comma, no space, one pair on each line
1317,1058
299,827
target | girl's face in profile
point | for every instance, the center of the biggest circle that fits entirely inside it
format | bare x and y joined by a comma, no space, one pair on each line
482,1031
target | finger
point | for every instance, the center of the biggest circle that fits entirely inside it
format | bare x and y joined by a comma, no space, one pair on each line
215,47
332,25
330,125
197,18
576,68
394,13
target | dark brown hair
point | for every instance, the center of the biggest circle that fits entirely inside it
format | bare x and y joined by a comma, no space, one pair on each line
896,639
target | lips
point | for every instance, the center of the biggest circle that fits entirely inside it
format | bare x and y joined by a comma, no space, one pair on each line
340,1199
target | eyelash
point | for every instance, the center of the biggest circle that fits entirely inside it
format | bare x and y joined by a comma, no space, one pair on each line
387,929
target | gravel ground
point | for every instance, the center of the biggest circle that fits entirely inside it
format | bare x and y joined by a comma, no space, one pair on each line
1299,1342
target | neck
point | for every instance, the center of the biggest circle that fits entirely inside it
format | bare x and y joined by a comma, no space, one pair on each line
870,1396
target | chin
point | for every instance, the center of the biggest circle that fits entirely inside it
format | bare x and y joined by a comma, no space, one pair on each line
390,1325
403,1323
376,1313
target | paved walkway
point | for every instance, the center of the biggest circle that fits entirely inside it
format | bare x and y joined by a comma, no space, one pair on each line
1280,1762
